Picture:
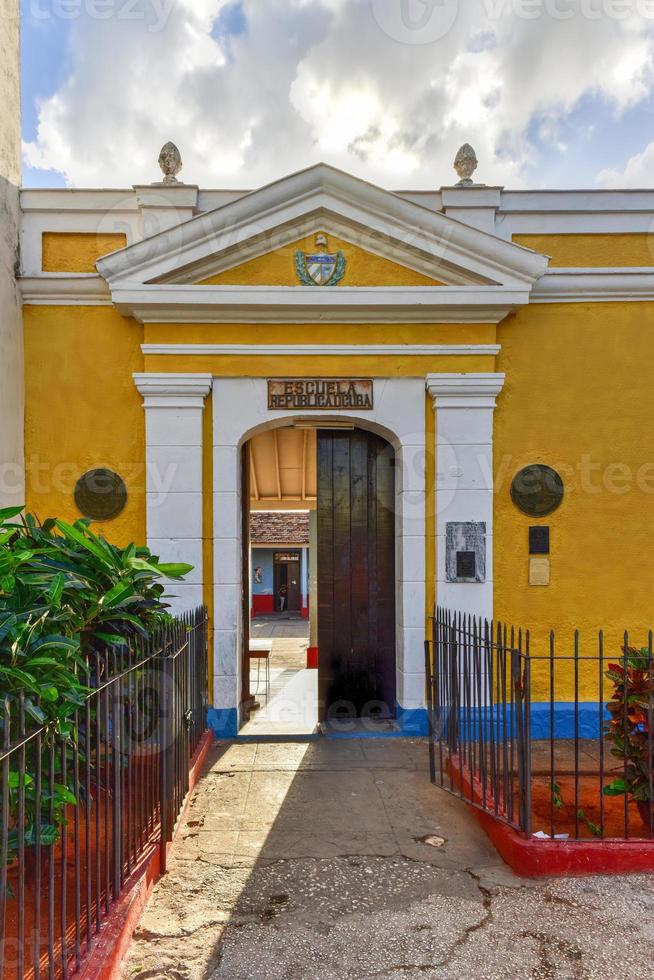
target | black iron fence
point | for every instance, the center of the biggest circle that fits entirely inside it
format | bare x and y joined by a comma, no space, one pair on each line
81,812
556,741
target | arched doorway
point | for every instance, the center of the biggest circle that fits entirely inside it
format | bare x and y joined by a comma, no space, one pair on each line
356,575
240,412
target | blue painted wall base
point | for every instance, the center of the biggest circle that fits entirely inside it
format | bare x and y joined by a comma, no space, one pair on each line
558,721
412,721
591,715
223,722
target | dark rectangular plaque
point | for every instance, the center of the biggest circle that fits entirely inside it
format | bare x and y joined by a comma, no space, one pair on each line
466,564
321,393
539,540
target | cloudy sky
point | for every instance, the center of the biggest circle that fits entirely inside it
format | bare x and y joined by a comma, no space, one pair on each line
552,93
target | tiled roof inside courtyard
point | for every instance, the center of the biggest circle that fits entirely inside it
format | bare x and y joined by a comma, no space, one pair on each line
279,527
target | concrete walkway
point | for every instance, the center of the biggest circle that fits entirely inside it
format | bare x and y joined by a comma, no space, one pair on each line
291,704
337,860
287,625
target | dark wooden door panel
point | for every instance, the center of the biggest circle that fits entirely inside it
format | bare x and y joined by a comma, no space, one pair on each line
293,585
356,573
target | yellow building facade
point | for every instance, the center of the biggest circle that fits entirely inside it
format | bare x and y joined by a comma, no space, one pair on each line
490,332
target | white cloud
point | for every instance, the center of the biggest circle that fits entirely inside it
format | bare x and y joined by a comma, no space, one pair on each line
310,80
639,171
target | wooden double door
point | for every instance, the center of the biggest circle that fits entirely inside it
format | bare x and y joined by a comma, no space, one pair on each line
356,574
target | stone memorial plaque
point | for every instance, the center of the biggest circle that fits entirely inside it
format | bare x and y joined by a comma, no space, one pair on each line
539,571
465,551
537,490
466,564
100,494
539,540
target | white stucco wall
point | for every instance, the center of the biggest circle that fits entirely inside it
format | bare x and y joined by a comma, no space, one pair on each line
11,339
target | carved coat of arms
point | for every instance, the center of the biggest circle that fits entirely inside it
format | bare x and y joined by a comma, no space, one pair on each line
320,268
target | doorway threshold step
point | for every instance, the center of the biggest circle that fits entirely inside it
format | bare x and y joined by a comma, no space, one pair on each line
361,728
302,737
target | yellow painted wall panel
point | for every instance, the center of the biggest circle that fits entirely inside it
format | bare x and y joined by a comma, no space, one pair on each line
602,251
319,333
82,410
77,251
277,268
577,398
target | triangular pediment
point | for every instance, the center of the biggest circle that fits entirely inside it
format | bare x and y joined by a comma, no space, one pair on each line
439,248
331,258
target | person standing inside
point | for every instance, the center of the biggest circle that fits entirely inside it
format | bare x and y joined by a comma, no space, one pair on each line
282,595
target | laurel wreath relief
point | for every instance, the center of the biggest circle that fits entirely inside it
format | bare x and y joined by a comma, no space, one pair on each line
305,278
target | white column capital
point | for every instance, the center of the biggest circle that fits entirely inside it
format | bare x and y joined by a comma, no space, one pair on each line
161,390
464,390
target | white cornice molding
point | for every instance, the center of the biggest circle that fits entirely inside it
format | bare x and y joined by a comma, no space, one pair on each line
584,285
464,390
163,390
462,304
64,289
312,304
322,190
345,350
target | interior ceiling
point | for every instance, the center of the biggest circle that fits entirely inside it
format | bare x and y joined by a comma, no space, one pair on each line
283,469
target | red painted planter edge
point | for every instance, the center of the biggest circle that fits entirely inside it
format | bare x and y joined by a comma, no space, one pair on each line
533,858
117,930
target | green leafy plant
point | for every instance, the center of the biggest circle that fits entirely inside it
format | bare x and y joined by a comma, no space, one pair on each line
631,710
557,796
65,594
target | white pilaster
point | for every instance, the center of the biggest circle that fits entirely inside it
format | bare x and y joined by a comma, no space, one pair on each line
173,406
464,406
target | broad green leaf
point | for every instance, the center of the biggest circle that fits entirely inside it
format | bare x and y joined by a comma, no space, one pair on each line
56,589
116,595
140,564
111,639
89,543
617,788
35,712
58,643
6,513
42,662
65,794
174,569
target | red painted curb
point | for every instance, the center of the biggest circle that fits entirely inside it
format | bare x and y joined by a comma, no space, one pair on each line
117,930
533,858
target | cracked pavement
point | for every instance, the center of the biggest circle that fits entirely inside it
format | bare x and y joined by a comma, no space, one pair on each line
336,860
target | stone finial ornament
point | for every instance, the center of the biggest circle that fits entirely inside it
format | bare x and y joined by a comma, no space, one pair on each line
465,164
170,161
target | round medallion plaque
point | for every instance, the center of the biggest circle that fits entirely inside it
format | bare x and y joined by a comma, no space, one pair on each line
100,494
537,490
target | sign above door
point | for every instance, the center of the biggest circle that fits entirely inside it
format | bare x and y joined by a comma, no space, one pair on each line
322,393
